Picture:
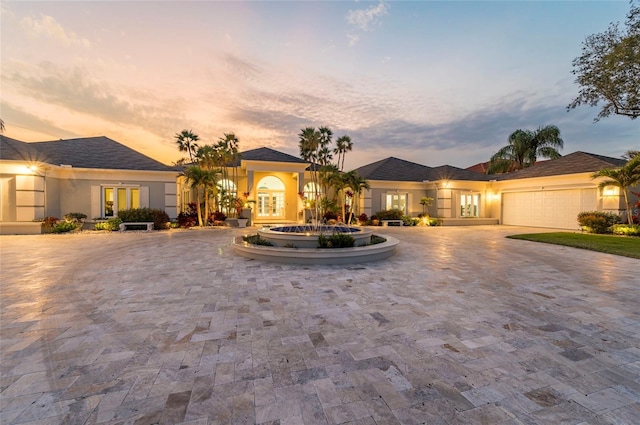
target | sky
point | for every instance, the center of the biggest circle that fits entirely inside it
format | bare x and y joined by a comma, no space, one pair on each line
433,82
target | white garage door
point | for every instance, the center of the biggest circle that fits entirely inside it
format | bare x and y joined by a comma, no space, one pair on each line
549,208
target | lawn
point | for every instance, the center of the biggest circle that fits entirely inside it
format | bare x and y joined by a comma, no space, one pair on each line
617,245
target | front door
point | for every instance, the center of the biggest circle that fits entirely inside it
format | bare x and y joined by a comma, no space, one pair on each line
270,199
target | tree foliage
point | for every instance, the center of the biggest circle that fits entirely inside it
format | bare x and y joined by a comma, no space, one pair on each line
608,69
524,147
624,177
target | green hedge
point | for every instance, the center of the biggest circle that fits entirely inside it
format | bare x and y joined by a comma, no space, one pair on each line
159,218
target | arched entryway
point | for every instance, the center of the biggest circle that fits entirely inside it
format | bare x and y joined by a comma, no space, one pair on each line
270,203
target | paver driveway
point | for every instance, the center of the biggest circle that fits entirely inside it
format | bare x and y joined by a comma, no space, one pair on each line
461,326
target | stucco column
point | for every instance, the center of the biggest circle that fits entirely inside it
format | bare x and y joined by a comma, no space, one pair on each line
250,182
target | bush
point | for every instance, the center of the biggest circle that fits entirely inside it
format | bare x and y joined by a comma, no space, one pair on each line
188,218
217,217
336,240
112,224
597,221
48,223
159,218
435,221
75,217
363,219
626,229
64,227
330,215
256,240
393,214
410,221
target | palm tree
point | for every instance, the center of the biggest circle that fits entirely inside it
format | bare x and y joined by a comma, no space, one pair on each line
343,145
624,177
356,183
186,141
196,177
2,125
524,147
309,145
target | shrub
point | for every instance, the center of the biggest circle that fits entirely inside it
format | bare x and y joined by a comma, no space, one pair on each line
64,227
597,221
188,218
362,218
48,223
410,221
112,224
256,240
626,229
217,217
394,214
330,215
75,217
336,240
435,221
159,218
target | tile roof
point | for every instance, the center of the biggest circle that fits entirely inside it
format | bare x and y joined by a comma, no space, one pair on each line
394,169
87,152
573,163
268,154
449,172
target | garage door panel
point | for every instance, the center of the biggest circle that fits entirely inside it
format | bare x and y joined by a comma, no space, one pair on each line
549,208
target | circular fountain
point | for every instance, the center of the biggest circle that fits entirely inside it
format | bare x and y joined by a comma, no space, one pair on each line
298,244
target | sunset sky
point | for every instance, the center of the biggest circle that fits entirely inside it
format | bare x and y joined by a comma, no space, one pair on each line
430,82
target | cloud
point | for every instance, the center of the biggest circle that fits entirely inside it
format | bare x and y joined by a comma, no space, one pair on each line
17,117
365,18
48,27
73,88
353,39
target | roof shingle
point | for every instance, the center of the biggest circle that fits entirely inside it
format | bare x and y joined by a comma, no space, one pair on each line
87,152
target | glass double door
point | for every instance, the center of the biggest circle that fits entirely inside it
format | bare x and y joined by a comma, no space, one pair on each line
270,204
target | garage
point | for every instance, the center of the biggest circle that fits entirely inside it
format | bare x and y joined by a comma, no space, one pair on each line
547,208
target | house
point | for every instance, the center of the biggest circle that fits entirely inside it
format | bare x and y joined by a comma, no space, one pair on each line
547,194
270,181
96,176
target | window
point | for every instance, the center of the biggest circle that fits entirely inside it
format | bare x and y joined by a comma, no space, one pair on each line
227,193
469,205
396,201
116,199
270,202
310,191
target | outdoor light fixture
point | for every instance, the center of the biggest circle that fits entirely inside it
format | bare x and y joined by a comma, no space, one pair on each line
610,191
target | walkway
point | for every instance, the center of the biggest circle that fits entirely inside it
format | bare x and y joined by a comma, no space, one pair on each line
461,326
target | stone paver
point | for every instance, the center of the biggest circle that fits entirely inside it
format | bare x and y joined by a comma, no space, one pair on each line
461,326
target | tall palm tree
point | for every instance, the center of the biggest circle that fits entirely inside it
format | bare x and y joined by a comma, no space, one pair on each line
186,141
524,147
343,145
2,125
324,152
624,177
309,145
196,177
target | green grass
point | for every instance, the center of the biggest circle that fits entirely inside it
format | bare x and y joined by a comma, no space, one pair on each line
617,245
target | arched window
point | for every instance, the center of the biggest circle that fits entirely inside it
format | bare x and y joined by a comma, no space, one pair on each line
270,199
311,191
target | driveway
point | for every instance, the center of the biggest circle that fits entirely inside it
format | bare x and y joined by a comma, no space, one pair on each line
461,326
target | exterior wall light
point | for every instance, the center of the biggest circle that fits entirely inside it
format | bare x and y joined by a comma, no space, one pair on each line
610,191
